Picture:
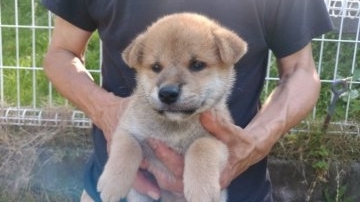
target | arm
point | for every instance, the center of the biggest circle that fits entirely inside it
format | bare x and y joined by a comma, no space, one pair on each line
289,103
64,66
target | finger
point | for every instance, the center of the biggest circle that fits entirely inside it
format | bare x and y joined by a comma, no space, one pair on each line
146,187
172,160
168,182
230,173
225,181
165,181
212,122
218,126
144,164
108,147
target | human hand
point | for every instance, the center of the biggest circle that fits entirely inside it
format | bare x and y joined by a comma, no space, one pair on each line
175,164
244,151
110,117
244,147
173,161
145,186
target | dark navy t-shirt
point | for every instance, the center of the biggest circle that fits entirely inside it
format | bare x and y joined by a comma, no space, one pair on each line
282,26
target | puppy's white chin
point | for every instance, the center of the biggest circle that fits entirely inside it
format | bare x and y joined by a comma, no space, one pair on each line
176,116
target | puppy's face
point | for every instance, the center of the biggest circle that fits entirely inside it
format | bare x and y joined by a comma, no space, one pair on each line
184,64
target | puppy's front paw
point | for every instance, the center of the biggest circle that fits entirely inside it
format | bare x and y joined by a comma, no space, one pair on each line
202,193
112,186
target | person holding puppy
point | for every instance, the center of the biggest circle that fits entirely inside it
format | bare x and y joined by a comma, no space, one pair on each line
284,27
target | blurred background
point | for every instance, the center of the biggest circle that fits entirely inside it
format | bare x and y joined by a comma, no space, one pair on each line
44,140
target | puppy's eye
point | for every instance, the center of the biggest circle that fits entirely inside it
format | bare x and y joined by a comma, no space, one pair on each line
156,68
197,66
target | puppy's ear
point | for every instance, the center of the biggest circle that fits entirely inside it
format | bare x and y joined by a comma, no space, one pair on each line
230,46
133,53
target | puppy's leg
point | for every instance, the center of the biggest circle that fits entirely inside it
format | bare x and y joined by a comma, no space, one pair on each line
204,162
120,170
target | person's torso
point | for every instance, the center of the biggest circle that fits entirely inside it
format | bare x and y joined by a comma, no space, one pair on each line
121,21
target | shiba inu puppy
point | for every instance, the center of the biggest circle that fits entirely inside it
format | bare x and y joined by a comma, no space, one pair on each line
184,64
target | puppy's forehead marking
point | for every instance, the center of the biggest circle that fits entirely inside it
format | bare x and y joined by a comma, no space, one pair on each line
181,52
172,75
179,29
177,39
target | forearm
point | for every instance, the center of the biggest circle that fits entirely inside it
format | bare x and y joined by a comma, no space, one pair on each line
69,76
289,103
64,66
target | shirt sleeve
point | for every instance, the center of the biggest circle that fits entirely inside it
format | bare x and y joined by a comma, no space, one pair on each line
73,11
291,24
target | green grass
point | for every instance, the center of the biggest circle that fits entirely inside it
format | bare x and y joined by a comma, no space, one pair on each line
344,70
46,94
327,72
32,46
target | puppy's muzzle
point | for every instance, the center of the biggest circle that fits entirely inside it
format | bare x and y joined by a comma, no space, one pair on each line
169,94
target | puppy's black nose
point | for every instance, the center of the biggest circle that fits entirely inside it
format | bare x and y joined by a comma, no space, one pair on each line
169,94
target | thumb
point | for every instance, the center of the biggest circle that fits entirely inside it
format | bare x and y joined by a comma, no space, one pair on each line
218,125
209,122
145,186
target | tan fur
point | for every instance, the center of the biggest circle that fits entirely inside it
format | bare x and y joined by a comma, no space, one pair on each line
173,44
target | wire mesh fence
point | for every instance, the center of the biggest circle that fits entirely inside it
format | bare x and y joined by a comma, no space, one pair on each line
27,98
